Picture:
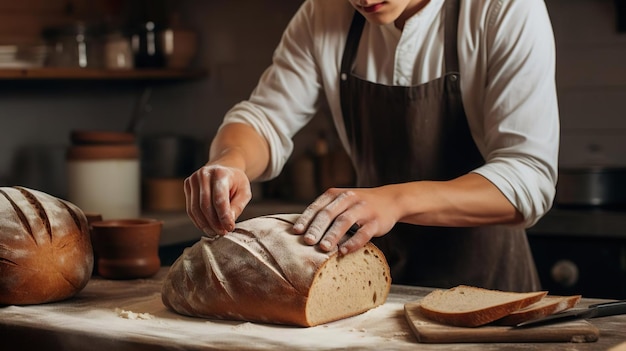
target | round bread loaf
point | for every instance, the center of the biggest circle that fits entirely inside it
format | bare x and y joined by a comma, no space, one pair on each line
45,248
263,272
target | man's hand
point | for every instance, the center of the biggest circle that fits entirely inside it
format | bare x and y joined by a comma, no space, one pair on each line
332,214
216,196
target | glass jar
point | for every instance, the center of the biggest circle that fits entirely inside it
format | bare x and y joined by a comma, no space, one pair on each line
118,53
76,45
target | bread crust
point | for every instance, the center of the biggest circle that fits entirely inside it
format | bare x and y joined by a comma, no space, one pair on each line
260,272
45,248
550,304
437,305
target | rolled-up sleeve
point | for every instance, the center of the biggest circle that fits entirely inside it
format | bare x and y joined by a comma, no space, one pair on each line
287,95
507,63
518,112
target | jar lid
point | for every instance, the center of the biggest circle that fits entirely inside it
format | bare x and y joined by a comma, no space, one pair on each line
92,137
102,152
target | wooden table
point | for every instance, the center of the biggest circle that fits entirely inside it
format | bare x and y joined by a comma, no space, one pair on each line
129,315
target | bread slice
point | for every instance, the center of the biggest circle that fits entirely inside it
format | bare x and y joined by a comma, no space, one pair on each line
263,272
468,306
550,304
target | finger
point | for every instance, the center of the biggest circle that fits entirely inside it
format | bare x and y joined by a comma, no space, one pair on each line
188,196
318,227
190,203
240,200
358,240
337,230
205,198
302,223
221,185
334,218
194,204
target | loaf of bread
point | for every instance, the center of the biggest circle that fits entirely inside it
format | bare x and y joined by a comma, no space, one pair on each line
468,306
263,272
45,248
548,305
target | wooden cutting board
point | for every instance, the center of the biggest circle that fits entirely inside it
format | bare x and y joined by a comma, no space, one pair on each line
428,331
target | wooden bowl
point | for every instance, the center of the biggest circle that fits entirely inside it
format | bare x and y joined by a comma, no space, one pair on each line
127,248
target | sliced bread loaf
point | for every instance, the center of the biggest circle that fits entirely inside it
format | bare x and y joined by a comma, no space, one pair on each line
263,272
548,305
468,306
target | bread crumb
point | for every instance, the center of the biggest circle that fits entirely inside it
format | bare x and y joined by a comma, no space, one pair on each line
133,315
360,330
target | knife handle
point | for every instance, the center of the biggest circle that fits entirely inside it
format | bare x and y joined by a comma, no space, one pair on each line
608,308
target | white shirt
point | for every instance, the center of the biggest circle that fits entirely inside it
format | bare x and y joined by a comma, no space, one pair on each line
507,65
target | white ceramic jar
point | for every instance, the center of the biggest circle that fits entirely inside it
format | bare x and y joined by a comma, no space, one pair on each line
104,174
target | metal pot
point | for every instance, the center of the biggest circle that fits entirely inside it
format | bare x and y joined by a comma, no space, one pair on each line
600,186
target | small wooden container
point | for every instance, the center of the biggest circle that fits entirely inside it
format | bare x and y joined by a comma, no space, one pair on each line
127,248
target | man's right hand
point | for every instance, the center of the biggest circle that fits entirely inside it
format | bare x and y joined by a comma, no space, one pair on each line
216,195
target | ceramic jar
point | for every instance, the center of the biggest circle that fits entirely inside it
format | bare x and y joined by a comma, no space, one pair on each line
127,248
103,170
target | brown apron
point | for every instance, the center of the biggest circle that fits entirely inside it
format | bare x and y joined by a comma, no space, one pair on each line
402,134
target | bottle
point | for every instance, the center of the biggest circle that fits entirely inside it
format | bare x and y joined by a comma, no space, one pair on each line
103,170
147,18
146,46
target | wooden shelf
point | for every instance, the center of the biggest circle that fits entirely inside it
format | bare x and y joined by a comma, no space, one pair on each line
58,73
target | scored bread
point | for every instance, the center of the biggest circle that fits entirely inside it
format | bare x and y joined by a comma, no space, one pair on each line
550,304
263,272
468,306
45,248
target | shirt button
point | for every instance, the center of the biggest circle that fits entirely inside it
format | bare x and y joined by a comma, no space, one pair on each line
344,76
454,77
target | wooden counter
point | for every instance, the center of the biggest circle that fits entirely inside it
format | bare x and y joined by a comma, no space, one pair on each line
129,315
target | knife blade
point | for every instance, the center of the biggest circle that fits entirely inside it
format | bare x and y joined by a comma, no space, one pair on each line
593,311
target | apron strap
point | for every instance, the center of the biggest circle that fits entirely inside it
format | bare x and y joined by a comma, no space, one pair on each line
352,45
350,50
451,32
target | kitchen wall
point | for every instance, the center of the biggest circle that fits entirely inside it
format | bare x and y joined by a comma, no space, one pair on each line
237,40
591,77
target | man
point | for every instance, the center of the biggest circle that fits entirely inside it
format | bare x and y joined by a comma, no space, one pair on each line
448,110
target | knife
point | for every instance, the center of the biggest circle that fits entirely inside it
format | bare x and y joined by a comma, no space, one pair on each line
593,311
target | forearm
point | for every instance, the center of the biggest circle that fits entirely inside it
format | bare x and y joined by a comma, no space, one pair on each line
470,200
239,145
